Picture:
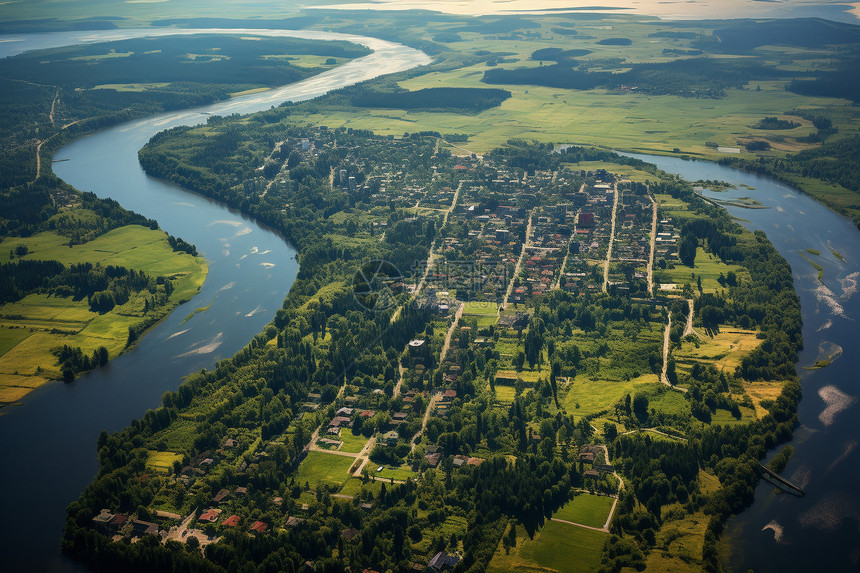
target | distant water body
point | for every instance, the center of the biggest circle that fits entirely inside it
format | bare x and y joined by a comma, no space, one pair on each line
821,531
48,454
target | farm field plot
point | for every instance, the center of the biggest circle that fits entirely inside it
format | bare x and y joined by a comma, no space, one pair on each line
322,468
162,461
556,547
724,350
587,509
33,326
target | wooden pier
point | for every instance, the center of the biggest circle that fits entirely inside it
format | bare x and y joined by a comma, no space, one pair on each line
774,478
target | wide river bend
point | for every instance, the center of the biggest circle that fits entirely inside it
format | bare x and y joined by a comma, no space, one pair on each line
48,454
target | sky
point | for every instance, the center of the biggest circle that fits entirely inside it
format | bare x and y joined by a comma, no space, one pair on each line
667,9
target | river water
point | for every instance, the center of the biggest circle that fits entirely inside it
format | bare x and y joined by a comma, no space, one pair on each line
818,532
48,454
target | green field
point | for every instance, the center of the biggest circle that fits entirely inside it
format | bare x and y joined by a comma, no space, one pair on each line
162,461
587,509
556,547
322,468
401,473
31,327
351,443
585,396
679,544
354,486
707,266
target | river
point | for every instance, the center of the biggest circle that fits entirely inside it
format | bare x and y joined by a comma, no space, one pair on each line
48,454
818,532
251,269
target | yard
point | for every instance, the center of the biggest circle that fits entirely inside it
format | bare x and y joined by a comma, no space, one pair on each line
323,468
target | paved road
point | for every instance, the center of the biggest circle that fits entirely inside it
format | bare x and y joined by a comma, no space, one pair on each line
653,246
519,264
611,239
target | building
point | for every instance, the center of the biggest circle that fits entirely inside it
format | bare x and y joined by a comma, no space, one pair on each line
210,515
443,562
259,526
391,438
232,521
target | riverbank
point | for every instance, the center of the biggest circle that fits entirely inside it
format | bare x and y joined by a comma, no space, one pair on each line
814,531
251,269
34,326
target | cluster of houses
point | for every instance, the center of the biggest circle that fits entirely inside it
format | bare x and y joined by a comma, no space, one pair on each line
434,456
590,455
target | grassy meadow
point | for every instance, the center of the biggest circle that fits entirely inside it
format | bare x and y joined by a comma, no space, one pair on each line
323,468
555,547
31,327
586,509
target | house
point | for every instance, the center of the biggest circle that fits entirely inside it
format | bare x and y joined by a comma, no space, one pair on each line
586,457
230,443
349,533
417,347
119,521
433,459
310,407
259,526
474,461
365,506
443,562
400,416
103,519
460,461
345,412
449,395
594,474
241,490
391,438
221,496
294,521
210,515
339,422
367,414
143,527
232,521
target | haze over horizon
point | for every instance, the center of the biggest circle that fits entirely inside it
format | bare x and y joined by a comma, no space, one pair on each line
841,10
666,9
